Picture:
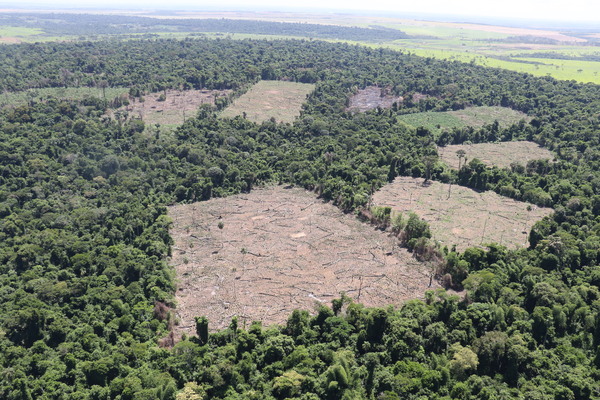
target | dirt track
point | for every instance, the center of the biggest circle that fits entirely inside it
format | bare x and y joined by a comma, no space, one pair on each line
279,250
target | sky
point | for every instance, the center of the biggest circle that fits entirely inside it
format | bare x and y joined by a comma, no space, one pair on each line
559,10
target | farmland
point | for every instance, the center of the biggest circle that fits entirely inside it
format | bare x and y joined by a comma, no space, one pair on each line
501,154
270,99
465,217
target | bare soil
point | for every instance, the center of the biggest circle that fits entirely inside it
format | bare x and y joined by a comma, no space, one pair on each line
372,97
179,104
281,249
10,40
501,154
466,218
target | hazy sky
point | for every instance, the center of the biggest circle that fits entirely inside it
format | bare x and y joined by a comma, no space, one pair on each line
572,10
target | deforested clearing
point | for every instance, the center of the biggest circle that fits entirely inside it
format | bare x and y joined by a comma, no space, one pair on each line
371,98
261,255
171,107
280,100
501,154
461,216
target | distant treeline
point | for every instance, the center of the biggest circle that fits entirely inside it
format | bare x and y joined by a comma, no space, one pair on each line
85,25
561,56
531,39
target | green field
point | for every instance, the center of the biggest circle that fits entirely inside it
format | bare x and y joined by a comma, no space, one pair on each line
436,122
18,34
270,99
17,31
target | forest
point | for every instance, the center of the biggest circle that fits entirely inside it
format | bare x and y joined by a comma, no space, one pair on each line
87,295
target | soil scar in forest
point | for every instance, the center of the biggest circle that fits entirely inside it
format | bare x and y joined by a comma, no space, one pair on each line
259,256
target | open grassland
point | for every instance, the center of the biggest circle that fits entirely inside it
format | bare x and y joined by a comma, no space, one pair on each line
174,107
71,93
487,55
22,34
501,154
270,99
19,31
261,255
464,218
473,116
579,70
16,34
478,31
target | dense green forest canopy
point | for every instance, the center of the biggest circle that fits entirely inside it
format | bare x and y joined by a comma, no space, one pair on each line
85,289
91,25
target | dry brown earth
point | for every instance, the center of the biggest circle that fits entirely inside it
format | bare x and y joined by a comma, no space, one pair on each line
282,249
179,104
280,100
10,40
501,154
466,218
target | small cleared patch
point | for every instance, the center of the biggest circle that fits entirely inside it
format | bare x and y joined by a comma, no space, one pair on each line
280,100
461,216
10,40
371,98
172,107
501,154
302,252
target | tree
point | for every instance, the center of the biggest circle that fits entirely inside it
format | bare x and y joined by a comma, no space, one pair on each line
460,154
288,385
463,361
202,329
429,162
191,391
